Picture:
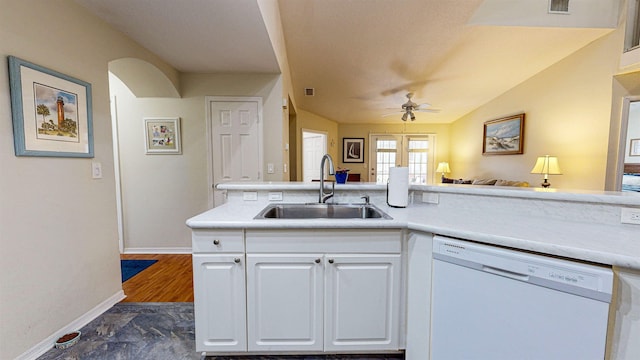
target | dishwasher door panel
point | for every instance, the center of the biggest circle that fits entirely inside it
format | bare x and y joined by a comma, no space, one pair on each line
480,315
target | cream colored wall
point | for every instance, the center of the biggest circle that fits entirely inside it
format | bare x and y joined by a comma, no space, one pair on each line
364,130
310,121
159,192
58,239
568,111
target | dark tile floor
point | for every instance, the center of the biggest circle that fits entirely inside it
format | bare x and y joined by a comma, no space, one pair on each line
156,331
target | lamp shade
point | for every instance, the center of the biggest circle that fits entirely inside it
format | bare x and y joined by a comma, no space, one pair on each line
443,167
547,165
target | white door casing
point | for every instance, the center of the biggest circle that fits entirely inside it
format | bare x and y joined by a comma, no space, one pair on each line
235,141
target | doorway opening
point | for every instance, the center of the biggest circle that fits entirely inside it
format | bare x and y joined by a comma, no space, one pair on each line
314,146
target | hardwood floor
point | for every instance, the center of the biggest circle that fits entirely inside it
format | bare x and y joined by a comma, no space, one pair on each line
168,280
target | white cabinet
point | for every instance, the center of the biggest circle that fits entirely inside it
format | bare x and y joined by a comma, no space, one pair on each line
335,291
285,302
362,302
219,291
306,291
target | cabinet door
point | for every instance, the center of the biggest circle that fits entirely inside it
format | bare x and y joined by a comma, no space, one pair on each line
284,302
362,302
219,302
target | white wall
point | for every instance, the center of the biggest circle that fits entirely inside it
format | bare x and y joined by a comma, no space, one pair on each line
568,111
159,192
58,234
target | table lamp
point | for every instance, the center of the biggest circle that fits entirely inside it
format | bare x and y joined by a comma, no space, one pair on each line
546,165
443,167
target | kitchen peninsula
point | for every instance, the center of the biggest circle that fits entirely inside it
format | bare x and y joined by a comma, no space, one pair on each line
570,224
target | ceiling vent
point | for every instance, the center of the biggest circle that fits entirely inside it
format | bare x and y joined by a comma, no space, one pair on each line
558,6
309,92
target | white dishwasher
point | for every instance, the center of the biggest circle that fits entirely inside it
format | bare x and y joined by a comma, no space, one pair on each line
494,303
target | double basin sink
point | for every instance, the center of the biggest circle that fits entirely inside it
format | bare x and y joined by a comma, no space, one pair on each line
322,211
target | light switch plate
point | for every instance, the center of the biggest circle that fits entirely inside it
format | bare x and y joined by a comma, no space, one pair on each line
96,170
275,195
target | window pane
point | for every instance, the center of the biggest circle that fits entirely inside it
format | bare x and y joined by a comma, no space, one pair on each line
385,161
385,144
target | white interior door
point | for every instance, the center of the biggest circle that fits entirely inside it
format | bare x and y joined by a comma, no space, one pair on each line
235,141
314,146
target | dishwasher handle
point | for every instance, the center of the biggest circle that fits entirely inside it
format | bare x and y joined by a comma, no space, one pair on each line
506,273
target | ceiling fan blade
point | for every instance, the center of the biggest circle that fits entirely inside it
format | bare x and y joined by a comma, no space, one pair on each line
428,110
393,113
425,105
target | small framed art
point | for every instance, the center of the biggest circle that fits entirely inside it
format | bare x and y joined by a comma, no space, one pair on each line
634,147
162,136
353,150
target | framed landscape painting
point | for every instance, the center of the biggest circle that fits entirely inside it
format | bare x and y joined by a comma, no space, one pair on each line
51,112
504,136
353,150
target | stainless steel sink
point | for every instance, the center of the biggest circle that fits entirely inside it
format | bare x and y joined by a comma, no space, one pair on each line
321,211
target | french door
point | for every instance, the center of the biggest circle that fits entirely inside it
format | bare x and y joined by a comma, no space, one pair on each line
412,151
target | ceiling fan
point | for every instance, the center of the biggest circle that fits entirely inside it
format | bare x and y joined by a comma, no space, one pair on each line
409,107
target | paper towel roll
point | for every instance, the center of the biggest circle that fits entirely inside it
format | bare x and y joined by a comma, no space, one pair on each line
398,187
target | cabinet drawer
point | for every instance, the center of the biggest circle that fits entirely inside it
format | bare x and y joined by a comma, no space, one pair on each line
216,241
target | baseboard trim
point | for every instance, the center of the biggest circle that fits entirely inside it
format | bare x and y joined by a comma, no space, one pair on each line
47,344
167,250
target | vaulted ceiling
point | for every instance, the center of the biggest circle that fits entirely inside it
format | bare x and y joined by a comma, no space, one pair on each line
363,56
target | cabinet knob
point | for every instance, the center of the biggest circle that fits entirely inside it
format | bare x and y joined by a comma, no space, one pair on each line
330,261
216,242
236,260
318,261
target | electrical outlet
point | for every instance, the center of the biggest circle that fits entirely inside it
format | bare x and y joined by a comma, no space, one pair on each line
430,198
250,195
630,216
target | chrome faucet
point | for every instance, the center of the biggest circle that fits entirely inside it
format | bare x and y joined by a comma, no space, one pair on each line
323,195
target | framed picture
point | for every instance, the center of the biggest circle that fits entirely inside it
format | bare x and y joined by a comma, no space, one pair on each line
353,150
51,112
634,147
504,136
162,136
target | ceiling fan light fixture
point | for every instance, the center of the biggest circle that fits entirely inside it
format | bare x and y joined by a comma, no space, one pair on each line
404,116
413,117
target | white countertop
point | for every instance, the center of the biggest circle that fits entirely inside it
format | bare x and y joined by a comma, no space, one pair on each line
606,244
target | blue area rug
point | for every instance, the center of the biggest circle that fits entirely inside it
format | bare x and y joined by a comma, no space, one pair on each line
131,268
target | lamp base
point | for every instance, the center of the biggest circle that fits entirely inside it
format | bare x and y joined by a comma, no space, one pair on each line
545,184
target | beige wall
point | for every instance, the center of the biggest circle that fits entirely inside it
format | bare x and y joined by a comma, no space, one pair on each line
159,192
58,234
568,111
441,131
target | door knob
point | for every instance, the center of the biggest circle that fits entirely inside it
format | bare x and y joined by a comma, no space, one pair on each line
318,261
216,242
236,260
330,261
